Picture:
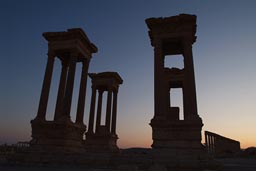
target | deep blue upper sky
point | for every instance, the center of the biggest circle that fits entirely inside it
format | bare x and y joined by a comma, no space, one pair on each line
224,58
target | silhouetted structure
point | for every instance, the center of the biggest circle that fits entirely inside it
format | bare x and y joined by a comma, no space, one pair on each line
103,137
181,138
176,142
62,134
220,146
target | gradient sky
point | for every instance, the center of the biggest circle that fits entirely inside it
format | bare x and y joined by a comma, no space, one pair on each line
224,59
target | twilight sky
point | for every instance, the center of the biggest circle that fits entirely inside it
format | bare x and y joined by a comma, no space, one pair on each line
224,59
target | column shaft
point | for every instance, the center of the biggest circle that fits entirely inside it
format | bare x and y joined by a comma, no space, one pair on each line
69,87
114,108
206,141
82,93
214,145
46,88
211,144
108,110
189,87
98,119
159,87
61,90
92,110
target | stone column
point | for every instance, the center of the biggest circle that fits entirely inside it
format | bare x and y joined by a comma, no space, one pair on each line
189,87
108,110
214,145
114,108
46,87
99,108
69,87
159,88
61,90
211,140
209,144
92,110
206,141
82,93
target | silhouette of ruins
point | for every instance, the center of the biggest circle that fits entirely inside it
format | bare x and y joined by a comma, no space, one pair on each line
176,141
220,146
175,36
61,134
103,137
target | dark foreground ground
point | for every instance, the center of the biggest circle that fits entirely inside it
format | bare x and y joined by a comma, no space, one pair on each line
228,164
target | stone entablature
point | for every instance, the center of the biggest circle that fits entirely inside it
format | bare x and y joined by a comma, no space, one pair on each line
172,29
71,41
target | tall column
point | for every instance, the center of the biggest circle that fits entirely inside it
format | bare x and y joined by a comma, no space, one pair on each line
159,91
46,87
189,87
61,90
209,143
214,145
206,141
92,110
114,108
82,93
99,108
69,87
108,110
211,140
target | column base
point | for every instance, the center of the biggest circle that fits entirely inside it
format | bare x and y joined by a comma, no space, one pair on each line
178,140
53,136
101,141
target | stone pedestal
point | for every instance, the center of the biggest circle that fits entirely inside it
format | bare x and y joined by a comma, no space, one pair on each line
177,142
51,136
176,134
102,141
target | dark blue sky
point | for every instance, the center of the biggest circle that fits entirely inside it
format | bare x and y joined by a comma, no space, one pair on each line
224,57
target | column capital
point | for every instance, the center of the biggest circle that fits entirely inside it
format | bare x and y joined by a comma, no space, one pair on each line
94,87
100,91
110,88
157,43
187,41
64,62
51,54
73,54
85,62
115,91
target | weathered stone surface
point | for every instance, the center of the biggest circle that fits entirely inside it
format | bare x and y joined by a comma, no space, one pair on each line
61,134
128,168
175,140
102,138
157,167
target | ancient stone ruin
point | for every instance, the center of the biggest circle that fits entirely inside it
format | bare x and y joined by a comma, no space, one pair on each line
219,146
62,134
103,137
181,138
176,141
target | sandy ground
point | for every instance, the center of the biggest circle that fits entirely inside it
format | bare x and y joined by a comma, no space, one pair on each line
235,164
